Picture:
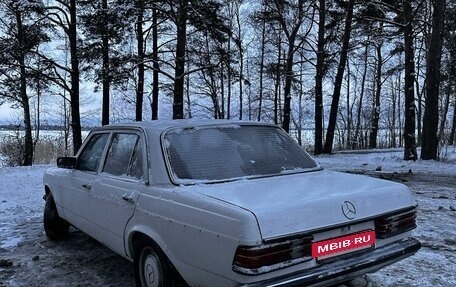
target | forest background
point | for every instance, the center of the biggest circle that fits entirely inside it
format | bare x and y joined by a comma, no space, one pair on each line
350,74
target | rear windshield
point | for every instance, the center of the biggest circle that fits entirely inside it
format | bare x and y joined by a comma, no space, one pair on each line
231,152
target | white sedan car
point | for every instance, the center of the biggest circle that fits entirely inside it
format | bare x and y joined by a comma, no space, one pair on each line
226,203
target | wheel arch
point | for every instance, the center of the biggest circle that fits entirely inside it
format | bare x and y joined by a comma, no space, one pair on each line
139,233
47,191
157,243
135,237
56,199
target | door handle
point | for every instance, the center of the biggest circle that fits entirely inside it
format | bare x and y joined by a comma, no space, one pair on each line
87,186
128,199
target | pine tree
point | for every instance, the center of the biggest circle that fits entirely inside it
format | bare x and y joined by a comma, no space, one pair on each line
104,25
202,16
62,15
19,39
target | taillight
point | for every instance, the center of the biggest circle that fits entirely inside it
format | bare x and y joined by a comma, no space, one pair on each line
269,257
391,225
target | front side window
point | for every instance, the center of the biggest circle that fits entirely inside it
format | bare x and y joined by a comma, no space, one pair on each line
90,157
124,156
230,152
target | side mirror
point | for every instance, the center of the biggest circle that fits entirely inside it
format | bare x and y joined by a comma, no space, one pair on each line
66,162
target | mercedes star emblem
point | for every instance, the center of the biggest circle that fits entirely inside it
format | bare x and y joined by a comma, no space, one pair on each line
349,210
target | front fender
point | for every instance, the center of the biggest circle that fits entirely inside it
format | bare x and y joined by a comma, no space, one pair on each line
53,181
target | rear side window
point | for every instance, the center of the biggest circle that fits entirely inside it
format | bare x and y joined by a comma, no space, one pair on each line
136,164
90,157
124,156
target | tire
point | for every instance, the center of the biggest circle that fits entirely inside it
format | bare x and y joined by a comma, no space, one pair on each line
55,227
151,266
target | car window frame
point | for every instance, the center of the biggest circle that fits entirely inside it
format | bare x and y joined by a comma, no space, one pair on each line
110,130
86,141
143,151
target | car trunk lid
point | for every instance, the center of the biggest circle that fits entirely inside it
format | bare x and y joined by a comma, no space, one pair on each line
292,204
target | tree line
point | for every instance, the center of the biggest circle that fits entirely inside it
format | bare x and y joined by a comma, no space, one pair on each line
351,71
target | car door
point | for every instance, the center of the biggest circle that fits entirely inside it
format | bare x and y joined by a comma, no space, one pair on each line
76,197
115,192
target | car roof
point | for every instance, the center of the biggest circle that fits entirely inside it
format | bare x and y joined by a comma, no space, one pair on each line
161,125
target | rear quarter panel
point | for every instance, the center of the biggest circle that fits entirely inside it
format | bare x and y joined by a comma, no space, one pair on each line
196,232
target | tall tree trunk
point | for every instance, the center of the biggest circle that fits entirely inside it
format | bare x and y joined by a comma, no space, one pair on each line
262,55
249,88
419,91
443,118
277,83
222,90
398,108
229,80
410,121
349,110
187,90
429,139
66,123
212,81
320,73
301,92
74,93
241,86
38,112
187,94
140,60
453,126
156,65
363,88
28,140
178,102
287,89
105,69
338,81
376,108
393,118
289,62
241,62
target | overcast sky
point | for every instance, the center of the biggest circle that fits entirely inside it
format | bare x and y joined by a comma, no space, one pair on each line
6,113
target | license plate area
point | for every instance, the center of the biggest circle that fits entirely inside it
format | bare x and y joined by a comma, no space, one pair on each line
338,246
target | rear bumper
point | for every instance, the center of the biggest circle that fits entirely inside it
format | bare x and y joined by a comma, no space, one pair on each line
346,269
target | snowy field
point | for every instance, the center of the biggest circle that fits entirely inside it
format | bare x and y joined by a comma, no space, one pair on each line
27,258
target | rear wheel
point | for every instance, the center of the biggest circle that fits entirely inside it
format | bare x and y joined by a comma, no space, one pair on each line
55,227
151,267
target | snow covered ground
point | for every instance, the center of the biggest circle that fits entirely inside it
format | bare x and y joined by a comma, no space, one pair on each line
434,186
27,258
